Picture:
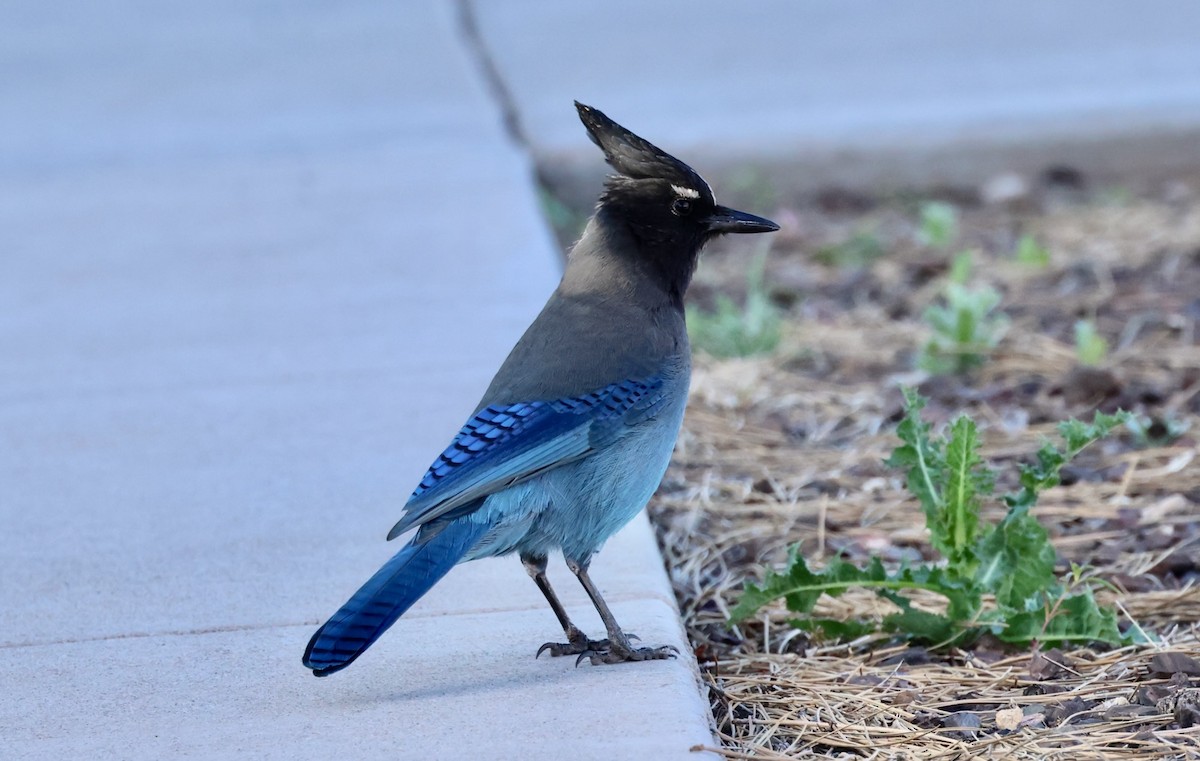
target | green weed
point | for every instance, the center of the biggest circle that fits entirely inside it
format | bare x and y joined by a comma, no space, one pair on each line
1011,562
939,224
733,331
1090,347
1031,253
960,267
859,250
966,328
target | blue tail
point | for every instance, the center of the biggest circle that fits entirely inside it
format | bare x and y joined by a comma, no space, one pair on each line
386,595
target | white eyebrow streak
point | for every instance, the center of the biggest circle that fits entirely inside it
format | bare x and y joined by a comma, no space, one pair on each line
685,192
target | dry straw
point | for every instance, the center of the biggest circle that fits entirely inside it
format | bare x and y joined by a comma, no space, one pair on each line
789,449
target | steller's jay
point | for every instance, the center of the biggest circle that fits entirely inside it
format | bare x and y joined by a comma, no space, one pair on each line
576,430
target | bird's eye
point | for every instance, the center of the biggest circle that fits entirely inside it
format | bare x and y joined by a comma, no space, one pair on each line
682,207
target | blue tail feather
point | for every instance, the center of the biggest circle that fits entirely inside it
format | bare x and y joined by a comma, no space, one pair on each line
387,595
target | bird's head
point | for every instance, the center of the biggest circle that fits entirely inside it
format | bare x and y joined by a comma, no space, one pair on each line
667,208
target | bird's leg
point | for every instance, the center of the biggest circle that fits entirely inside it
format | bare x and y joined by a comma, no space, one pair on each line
619,648
577,642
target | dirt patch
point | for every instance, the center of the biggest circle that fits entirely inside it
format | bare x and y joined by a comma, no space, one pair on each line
789,448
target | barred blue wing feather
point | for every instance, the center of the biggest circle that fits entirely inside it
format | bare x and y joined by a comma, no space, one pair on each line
503,445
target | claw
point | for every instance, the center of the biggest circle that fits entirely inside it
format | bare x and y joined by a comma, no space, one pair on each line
622,655
574,647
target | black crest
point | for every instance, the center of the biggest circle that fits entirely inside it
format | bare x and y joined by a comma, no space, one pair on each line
632,156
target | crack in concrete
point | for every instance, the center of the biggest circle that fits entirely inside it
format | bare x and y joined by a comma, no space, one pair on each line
555,208
146,635
493,79
614,599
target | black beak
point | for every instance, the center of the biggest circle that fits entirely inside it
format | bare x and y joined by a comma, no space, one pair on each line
726,220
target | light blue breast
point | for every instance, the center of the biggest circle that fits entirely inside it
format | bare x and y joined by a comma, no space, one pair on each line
578,506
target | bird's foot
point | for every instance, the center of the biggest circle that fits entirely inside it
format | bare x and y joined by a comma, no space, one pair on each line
578,643
574,647
621,653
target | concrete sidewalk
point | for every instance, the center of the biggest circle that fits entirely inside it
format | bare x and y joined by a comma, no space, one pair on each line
258,264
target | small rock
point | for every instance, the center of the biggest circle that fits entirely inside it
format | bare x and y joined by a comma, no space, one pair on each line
1187,708
963,723
1004,188
912,656
1014,420
868,680
1063,176
1156,512
1009,718
1165,664
1179,681
1129,711
1113,702
1128,518
1159,538
904,697
1089,386
1150,695
1048,665
1071,707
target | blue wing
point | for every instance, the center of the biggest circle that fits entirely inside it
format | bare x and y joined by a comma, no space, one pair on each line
507,444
